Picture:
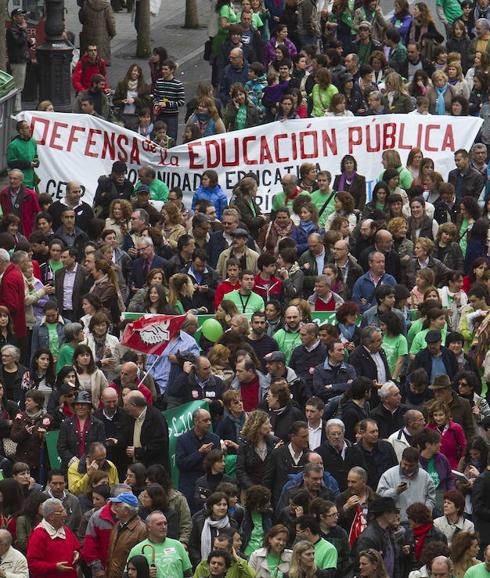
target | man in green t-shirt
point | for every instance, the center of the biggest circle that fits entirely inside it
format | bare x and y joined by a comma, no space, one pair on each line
168,556
324,197
308,528
289,337
158,189
290,192
245,299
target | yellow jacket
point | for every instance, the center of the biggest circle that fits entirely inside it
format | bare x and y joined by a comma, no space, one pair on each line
78,482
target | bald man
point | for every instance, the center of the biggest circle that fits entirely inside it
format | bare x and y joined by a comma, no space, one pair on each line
72,200
383,242
235,71
117,426
131,377
148,432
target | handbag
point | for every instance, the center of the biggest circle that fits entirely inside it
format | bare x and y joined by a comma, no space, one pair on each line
208,46
9,447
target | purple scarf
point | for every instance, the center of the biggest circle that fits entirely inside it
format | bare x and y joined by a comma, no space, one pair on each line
343,179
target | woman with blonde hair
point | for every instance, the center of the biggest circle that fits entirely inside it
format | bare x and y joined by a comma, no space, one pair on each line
45,106
219,358
456,79
303,561
207,118
398,227
229,428
173,228
447,248
344,207
371,564
119,218
464,549
256,443
440,94
181,290
397,99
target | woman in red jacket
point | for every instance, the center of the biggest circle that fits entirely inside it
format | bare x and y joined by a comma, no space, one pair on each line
453,439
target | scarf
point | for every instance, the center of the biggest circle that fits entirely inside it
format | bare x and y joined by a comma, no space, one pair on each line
440,102
343,180
36,415
100,344
283,231
347,331
308,226
133,85
206,534
420,535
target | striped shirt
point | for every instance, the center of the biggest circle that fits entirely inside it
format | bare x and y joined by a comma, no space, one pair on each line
173,90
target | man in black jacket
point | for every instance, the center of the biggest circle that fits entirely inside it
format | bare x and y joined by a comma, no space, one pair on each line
112,187
308,355
18,45
379,455
389,413
116,423
435,359
480,498
288,459
467,181
195,382
416,62
338,454
148,434
204,279
219,241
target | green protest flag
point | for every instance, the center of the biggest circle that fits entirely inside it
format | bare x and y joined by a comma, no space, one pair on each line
179,421
51,444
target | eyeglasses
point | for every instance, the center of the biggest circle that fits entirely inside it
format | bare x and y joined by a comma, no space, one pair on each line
333,515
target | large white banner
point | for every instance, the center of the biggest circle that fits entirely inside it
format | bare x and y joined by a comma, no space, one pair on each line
82,148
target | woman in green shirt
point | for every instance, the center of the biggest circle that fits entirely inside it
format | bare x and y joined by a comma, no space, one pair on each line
273,559
394,343
257,520
322,92
436,320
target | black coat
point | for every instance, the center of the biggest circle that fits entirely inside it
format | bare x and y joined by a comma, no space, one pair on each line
374,537
68,446
357,189
250,469
247,526
206,485
382,458
352,414
392,262
481,506
108,191
17,44
471,186
282,423
118,427
339,467
209,278
195,537
387,421
278,468
424,359
302,361
364,365
217,244
185,389
154,439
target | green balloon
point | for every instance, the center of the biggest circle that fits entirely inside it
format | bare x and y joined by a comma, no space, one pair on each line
212,330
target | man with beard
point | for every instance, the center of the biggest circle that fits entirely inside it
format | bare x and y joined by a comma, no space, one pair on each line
261,343
289,338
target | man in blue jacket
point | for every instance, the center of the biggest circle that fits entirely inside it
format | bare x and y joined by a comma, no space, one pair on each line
365,286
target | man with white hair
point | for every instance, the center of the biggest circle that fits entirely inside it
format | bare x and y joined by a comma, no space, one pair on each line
168,555
17,199
129,531
389,413
12,294
13,564
338,453
414,423
53,548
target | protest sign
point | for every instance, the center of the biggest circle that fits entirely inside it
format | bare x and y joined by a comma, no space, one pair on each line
82,148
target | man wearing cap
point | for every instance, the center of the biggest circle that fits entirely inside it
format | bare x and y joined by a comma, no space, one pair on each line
112,187
96,92
78,432
98,534
460,408
245,299
167,555
275,365
244,255
129,531
18,46
408,483
142,202
435,359
379,536
365,44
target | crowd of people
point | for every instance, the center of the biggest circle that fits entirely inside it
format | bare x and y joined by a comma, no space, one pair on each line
345,355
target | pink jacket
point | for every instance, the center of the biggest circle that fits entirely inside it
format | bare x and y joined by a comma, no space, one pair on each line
453,443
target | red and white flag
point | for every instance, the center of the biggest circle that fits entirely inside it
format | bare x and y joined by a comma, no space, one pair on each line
152,335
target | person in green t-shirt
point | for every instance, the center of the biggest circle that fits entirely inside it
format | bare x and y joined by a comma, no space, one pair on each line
289,337
394,342
158,189
239,567
289,193
168,556
308,528
246,301
73,336
435,321
324,197
257,516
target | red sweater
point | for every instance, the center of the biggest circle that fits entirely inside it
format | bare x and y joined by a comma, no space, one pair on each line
268,288
250,394
43,554
95,547
222,289
12,296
